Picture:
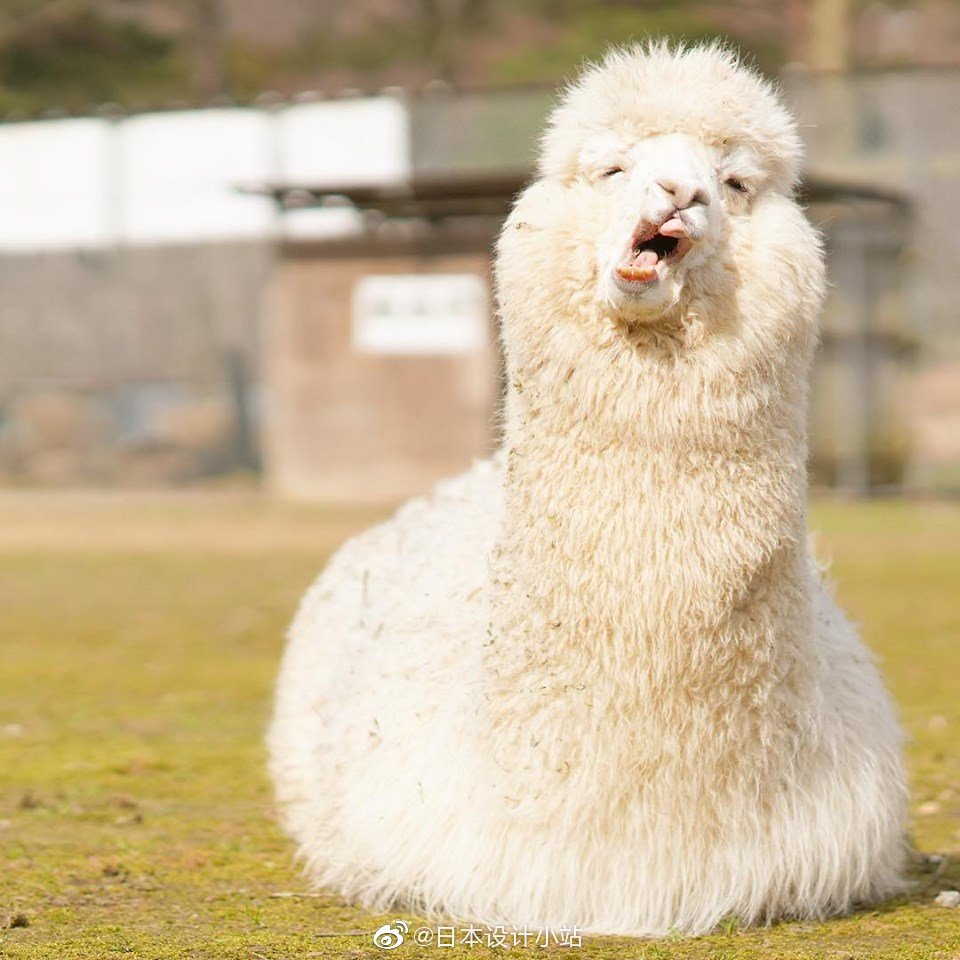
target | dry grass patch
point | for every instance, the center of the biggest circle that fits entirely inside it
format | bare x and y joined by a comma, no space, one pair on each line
138,645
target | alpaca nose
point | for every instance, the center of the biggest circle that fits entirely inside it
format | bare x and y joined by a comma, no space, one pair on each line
684,193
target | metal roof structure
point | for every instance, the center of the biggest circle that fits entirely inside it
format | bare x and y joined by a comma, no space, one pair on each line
437,197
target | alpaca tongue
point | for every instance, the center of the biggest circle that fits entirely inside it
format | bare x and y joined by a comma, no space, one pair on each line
646,258
674,227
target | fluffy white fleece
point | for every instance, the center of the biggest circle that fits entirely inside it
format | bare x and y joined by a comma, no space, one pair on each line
598,680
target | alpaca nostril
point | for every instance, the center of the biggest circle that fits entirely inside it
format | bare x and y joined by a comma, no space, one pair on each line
684,194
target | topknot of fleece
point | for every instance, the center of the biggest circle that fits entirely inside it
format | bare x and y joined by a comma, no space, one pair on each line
650,89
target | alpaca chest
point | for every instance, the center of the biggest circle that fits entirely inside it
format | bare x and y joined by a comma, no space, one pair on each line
636,613
626,552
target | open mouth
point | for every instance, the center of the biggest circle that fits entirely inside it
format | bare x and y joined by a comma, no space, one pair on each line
649,248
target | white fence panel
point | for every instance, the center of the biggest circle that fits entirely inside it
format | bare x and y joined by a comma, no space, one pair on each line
344,141
173,177
54,178
181,172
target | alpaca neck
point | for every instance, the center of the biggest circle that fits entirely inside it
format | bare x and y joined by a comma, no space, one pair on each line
646,570
609,551
643,590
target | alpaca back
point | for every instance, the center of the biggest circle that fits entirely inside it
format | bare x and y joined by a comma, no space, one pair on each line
375,681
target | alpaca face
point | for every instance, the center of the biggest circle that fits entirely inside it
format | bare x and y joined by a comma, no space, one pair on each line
672,204
667,201
665,181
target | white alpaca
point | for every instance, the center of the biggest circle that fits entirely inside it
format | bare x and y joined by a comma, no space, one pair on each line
597,680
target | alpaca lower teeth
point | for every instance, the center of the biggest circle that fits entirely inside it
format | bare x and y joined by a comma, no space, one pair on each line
635,274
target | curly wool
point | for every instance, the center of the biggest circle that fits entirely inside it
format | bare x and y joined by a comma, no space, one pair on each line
598,680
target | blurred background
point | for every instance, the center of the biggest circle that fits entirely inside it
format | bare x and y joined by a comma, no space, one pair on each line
248,242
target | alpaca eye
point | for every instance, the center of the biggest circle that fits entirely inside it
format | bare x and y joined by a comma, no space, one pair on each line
736,184
612,171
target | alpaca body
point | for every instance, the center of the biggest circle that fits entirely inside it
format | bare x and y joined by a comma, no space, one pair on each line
598,680
394,794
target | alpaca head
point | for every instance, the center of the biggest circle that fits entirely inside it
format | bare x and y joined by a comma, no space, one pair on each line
660,171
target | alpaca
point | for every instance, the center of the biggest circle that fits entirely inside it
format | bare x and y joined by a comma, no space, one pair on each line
598,680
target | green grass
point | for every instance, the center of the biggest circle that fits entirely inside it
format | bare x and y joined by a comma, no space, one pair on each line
138,644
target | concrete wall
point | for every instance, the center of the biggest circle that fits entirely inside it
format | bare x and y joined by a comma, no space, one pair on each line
136,365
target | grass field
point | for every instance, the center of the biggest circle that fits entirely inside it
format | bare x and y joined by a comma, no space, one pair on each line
138,644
